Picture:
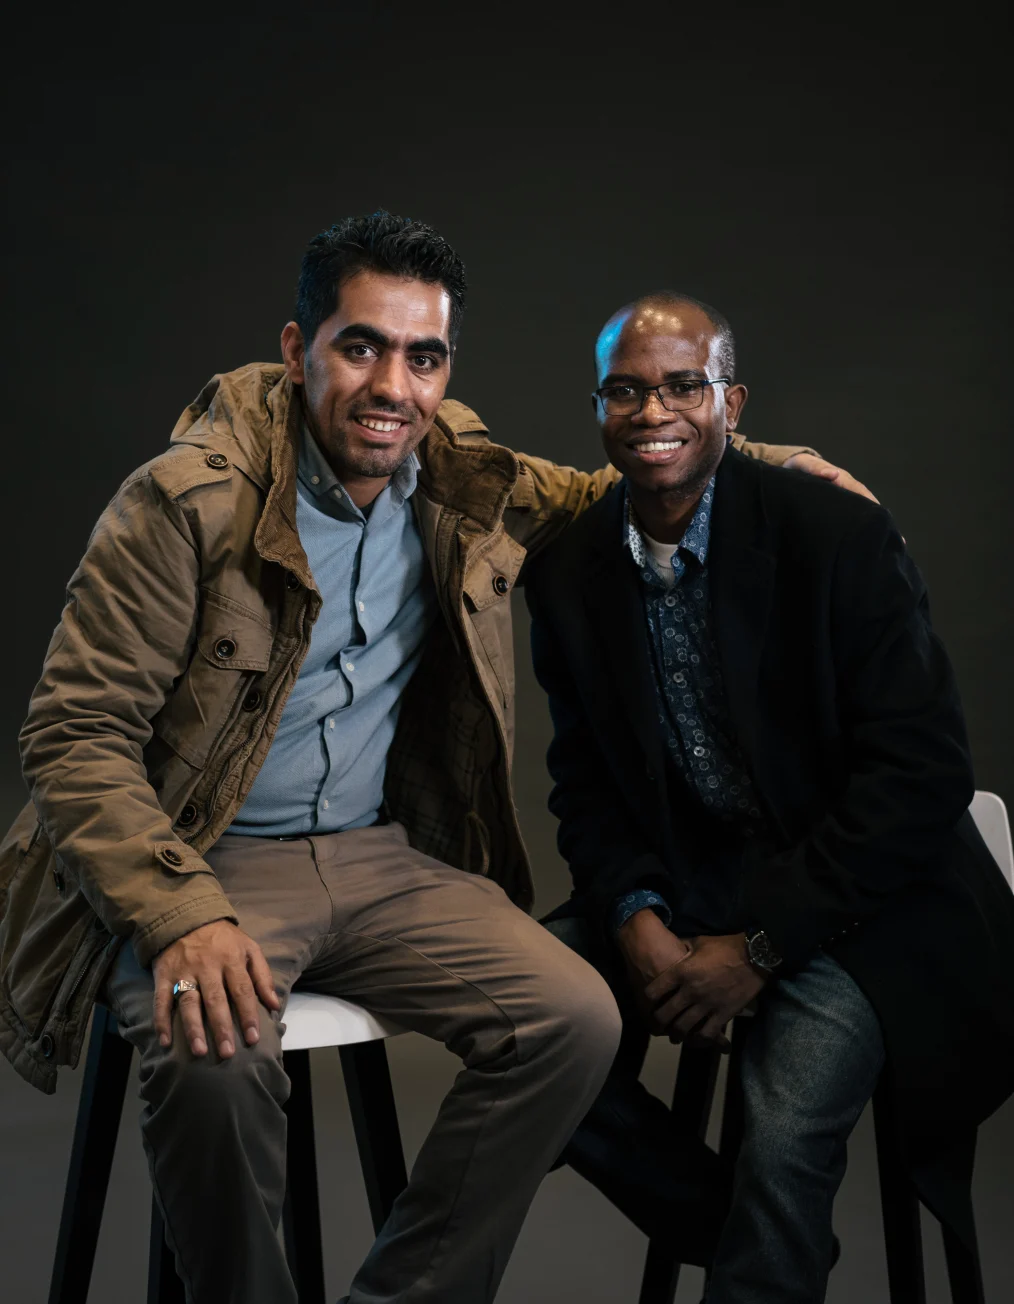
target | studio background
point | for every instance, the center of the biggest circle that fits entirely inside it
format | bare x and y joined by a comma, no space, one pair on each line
836,187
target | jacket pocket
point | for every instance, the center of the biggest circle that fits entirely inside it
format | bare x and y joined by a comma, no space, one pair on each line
233,644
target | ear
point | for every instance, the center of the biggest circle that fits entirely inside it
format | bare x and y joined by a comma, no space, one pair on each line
735,401
293,352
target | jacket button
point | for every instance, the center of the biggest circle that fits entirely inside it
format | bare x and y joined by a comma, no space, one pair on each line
291,582
501,584
217,460
172,857
252,700
188,814
225,648
47,1045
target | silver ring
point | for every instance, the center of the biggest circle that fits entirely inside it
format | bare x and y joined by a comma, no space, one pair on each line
184,985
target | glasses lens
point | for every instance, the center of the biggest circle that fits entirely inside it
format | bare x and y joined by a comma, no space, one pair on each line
620,400
681,395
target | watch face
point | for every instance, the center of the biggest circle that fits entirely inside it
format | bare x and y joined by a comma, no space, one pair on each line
761,952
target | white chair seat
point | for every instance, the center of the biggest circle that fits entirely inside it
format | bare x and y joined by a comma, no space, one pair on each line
314,1020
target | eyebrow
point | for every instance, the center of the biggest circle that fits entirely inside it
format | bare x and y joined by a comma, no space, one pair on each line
623,378
360,331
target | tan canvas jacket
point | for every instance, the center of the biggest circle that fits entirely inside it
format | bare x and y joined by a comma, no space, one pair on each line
185,627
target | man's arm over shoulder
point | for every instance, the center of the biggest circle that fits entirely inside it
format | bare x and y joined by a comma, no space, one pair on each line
123,639
607,855
548,497
909,771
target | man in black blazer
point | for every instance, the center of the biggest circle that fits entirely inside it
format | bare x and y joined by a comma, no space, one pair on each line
762,780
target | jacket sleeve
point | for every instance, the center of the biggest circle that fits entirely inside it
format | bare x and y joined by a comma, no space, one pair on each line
597,836
548,497
125,635
909,775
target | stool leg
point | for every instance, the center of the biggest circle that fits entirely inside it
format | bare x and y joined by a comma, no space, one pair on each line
98,1120
375,1120
301,1212
964,1271
900,1208
164,1286
691,1105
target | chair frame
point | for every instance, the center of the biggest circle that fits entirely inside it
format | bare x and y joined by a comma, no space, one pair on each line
103,1091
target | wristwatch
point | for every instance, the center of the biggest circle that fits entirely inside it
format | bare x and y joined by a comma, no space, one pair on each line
761,954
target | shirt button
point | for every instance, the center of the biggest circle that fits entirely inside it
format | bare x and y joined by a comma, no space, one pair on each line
501,584
362,606
315,479
330,724
217,460
349,666
670,601
700,751
326,803
225,649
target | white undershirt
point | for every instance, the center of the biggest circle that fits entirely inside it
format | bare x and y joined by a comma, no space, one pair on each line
662,554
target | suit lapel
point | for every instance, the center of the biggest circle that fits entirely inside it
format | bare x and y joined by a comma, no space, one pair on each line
615,605
742,568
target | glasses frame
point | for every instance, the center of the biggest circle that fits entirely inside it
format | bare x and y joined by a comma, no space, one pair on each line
657,389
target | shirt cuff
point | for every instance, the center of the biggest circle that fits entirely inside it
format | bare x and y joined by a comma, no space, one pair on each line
642,899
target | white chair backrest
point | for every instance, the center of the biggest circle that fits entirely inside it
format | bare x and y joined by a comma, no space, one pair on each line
990,817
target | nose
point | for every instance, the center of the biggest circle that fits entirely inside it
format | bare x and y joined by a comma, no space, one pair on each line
390,379
653,411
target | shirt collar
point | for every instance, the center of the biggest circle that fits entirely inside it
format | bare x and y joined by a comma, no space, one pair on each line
318,478
695,542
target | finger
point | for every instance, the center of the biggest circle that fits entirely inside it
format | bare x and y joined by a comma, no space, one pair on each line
263,981
669,980
673,1009
162,1011
712,1032
241,989
688,1022
219,1013
189,1008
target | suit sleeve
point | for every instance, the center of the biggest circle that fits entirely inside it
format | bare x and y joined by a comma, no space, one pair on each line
598,837
909,775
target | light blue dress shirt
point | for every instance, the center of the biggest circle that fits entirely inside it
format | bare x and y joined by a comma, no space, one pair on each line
325,769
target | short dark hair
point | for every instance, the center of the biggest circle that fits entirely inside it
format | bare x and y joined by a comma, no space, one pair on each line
380,242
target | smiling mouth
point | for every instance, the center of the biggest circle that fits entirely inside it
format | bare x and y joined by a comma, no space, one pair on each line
647,447
383,427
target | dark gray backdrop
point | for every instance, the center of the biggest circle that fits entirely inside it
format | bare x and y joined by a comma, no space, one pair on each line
835,185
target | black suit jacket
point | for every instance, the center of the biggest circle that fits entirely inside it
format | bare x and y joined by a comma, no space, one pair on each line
845,707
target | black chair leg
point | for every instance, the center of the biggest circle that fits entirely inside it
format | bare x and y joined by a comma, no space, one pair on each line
900,1208
98,1121
164,1287
375,1120
692,1099
964,1271
301,1212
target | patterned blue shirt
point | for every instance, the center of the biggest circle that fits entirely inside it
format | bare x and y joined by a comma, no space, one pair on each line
692,710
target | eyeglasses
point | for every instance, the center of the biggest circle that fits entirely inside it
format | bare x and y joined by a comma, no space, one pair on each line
675,396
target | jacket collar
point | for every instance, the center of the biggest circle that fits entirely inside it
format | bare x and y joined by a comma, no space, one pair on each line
254,415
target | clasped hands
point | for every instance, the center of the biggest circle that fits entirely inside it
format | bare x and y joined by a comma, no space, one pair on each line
687,989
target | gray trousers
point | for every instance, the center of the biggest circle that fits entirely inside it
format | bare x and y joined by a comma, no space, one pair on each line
364,916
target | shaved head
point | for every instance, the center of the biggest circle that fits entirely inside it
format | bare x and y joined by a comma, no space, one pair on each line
669,313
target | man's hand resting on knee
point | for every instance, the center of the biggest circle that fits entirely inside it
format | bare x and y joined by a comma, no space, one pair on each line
694,1000
226,965
653,957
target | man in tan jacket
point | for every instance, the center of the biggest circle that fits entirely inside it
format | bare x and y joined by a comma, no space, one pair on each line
271,743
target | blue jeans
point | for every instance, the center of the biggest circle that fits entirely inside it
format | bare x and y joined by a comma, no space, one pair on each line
810,1063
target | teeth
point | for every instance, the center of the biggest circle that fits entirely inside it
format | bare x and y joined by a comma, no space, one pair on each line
370,424
657,446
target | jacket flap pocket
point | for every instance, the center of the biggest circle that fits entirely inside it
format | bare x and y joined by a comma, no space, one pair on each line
491,570
231,637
